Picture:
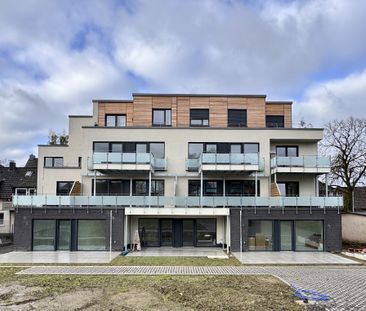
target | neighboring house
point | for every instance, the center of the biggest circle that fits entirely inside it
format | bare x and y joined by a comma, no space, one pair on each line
15,181
182,170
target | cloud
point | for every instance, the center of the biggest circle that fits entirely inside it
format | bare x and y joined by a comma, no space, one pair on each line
334,99
55,56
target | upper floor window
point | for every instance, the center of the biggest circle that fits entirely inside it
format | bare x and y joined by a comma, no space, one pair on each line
53,161
275,121
242,188
210,188
199,117
289,188
112,187
287,151
195,149
64,187
141,187
156,148
25,191
162,117
1,219
115,120
237,118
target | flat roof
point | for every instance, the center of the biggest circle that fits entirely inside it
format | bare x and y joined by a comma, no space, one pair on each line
199,95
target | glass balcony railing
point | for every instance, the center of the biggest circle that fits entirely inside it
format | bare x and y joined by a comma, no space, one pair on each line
251,159
304,161
178,201
127,158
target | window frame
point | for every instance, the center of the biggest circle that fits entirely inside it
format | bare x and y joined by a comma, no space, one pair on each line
57,187
192,118
53,161
272,124
286,183
286,147
164,110
115,119
235,124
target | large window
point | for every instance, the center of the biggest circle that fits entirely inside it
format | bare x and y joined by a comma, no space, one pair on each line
91,235
157,150
115,120
1,219
141,187
275,121
53,161
44,235
289,189
309,235
237,118
287,151
64,187
206,232
149,230
112,187
260,235
199,117
210,188
195,149
162,117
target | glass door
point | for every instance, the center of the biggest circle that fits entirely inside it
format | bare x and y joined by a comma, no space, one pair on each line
286,235
188,232
64,235
166,232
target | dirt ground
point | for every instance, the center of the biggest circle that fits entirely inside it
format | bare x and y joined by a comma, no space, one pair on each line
26,292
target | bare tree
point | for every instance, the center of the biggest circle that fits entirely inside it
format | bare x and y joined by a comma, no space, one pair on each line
304,124
345,142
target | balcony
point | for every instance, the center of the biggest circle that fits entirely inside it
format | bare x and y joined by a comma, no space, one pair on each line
53,201
304,164
106,162
229,162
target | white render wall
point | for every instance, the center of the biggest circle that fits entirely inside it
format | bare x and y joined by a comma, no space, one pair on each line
8,224
176,152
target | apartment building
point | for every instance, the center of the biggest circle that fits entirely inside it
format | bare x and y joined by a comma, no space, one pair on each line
182,170
15,181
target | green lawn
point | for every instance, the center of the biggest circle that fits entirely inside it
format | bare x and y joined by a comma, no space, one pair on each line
143,292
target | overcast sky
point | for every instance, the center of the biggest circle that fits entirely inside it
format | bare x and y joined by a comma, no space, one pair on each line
56,56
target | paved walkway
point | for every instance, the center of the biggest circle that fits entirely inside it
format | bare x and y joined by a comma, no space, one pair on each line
64,257
345,284
295,258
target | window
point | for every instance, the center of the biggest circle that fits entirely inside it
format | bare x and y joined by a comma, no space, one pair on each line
210,188
162,117
309,235
24,191
1,219
141,148
112,187
206,232
116,147
287,151
249,188
234,188
275,121
260,235
141,187
64,187
251,148
194,150
157,150
91,235
101,147
199,117
149,230
28,174
53,162
211,148
237,118
289,189
235,148
115,120
44,235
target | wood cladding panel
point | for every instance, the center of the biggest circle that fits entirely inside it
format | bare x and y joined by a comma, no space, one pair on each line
256,112
139,112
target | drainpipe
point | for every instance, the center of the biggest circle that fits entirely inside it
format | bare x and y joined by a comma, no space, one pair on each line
326,185
201,188
126,232
150,188
241,230
95,184
110,230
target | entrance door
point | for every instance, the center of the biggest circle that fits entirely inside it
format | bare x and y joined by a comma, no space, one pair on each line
286,235
177,232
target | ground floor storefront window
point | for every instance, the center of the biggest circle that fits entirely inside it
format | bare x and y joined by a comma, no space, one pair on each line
285,235
177,232
70,235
